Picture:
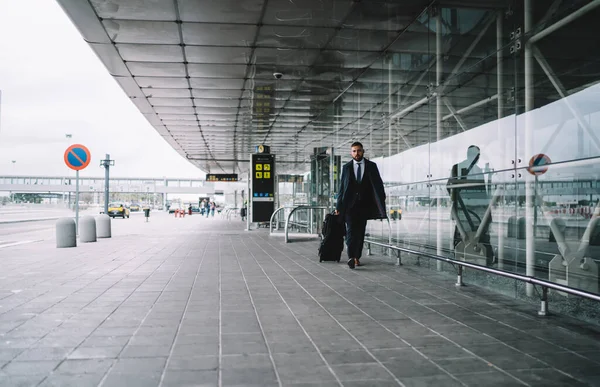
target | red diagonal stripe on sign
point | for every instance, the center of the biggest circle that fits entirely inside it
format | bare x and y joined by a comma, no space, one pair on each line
77,157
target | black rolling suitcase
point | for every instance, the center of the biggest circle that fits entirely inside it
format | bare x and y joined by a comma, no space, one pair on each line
332,242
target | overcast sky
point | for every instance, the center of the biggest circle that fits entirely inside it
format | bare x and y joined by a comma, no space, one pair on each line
53,84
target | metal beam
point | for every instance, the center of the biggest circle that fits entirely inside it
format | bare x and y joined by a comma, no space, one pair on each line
562,91
563,22
455,115
468,52
242,160
472,106
412,107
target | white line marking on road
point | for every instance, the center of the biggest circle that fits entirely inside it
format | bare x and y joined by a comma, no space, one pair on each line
19,243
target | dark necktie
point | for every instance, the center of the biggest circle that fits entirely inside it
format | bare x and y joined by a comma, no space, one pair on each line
358,179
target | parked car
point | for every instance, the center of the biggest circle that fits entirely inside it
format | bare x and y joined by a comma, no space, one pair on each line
135,207
118,209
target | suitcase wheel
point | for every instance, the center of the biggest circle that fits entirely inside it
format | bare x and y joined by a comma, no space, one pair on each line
320,260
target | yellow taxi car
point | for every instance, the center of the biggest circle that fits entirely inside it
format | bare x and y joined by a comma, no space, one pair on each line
116,209
396,214
135,207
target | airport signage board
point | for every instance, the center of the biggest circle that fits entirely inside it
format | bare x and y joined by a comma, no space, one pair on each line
221,177
263,187
290,178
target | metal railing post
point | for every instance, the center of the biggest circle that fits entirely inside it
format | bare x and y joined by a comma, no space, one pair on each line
309,226
544,302
459,277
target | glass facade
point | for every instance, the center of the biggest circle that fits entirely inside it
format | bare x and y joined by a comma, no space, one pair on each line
489,137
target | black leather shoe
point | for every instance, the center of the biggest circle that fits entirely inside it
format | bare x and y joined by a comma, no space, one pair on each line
358,262
351,263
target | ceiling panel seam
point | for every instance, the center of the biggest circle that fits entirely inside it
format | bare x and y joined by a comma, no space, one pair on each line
187,78
382,52
249,67
338,28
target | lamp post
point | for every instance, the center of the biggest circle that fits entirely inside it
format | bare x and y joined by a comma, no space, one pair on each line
106,163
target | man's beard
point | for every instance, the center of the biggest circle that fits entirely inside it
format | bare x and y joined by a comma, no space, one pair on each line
357,158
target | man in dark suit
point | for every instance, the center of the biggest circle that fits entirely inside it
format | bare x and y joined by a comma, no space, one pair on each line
361,197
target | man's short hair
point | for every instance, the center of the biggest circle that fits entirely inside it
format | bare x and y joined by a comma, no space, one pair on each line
356,143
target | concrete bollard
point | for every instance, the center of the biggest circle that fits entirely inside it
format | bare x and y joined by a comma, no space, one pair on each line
103,229
66,235
87,229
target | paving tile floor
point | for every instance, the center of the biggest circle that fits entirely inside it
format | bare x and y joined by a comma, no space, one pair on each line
201,302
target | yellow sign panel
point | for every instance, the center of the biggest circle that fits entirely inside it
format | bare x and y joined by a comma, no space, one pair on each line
259,167
259,175
267,175
267,167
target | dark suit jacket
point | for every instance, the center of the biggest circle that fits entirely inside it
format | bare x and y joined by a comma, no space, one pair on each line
376,208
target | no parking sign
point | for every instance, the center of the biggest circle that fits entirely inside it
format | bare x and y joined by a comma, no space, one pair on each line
538,165
77,157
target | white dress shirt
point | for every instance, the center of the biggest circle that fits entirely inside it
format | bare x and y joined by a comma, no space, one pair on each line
362,169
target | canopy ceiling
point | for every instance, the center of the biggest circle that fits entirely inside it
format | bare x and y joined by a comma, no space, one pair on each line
201,71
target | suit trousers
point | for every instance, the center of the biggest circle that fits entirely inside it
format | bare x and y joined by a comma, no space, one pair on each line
355,234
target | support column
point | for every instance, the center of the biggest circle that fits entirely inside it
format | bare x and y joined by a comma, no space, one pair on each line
106,163
250,193
529,106
500,134
438,123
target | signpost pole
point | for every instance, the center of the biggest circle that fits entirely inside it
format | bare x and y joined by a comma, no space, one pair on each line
535,206
77,202
77,157
106,182
249,205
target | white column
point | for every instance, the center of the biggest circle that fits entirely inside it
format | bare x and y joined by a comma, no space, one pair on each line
438,122
529,105
500,134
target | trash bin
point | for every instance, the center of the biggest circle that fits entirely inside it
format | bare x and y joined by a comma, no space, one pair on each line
147,213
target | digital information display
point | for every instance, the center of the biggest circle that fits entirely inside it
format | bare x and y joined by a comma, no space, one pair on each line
263,187
221,177
290,178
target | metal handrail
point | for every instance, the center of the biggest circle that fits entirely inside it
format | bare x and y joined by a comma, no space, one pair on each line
389,237
287,221
229,211
273,216
528,279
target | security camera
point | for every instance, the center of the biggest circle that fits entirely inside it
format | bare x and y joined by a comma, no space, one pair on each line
277,75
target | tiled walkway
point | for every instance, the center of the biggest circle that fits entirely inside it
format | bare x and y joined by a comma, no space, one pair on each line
200,302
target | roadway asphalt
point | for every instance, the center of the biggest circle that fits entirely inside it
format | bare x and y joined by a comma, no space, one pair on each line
23,227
